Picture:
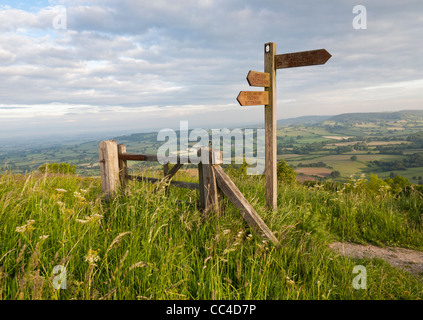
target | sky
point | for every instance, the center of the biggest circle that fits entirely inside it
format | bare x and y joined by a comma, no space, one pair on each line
71,66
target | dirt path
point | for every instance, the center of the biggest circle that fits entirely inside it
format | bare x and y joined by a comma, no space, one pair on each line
410,260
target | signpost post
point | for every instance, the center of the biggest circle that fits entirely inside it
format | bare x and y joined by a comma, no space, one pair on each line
267,79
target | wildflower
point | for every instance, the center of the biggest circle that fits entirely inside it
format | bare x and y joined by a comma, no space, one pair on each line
61,190
81,221
289,281
78,196
43,237
92,257
26,227
21,229
60,203
83,191
228,250
226,231
94,217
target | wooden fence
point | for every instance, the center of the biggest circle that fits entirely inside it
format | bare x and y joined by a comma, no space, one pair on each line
213,184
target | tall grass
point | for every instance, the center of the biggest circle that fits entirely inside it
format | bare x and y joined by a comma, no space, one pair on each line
151,242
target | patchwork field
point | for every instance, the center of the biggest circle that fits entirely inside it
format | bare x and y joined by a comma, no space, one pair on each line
348,144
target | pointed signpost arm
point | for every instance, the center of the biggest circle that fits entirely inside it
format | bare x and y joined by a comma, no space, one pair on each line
302,59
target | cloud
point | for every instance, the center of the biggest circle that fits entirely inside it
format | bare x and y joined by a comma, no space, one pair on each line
166,59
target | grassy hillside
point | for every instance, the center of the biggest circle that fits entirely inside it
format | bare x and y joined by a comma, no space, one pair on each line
147,244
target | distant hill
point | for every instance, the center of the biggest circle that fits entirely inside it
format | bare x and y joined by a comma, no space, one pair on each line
303,120
378,116
355,117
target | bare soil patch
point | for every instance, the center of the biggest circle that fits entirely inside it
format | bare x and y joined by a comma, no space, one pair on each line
302,178
408,259
314,171
336,137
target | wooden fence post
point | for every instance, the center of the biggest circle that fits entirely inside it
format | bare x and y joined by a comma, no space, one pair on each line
210,195
109,167
123,165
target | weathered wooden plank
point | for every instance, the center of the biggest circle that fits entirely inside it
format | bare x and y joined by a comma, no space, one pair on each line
258,79
270,128
138,157
241,203
123,165
146,157
109,167
253,98
202,187
179,184
208,156
173,171
302,59
215,195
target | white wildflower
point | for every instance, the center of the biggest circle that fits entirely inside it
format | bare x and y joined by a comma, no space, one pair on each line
61,190
26,227
94,217
92,257
21,229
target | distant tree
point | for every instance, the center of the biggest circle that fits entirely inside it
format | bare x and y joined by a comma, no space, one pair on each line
335,174
361,146
375,183
398,183
354,158
285,173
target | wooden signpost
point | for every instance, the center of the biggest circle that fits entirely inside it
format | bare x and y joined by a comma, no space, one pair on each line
267,79
258,79
253,98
